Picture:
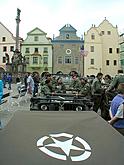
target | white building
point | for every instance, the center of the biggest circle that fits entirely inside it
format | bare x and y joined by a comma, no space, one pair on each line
102,44
7,45
37,49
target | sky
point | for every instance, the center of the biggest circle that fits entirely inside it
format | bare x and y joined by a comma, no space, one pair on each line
51,15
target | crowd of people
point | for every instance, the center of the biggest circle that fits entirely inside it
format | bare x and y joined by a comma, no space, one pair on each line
107,93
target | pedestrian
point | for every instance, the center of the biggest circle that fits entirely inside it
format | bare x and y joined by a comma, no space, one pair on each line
9,80
36,84
1,90
18,83
30,84
117,110
25,80
4,79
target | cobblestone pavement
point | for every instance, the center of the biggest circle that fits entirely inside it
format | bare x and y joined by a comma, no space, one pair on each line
8,109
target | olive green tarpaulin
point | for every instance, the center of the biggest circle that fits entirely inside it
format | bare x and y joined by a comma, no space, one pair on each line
60,138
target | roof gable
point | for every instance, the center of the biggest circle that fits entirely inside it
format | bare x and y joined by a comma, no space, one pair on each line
36,31
106,22
6,29
68,28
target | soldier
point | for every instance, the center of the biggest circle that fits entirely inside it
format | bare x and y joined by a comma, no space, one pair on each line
47,76
107,79
47,88
53,81
99,96
84,88
116,81
111,91
60,86
74,83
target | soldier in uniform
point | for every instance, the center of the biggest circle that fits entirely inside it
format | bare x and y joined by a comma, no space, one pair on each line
74,85
116,81
60,86
98,94
84,88
47,88
111,91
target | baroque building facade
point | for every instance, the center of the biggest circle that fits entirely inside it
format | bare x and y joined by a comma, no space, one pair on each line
66,51
7,46
37,50
102,45
121,42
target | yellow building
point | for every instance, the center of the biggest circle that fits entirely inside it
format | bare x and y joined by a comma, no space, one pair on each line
102,45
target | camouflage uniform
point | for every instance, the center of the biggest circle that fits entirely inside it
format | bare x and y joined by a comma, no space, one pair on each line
84,88
46,88
75,84
60,88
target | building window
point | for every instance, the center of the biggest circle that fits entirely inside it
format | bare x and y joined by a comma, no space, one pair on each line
76,60
3,39
27,50
109,32
67,59
92,61
107,62
4,59
35,60
59,60
117,50
110,50
45,50
92,48
36,38
27,60
93,37
67,36
115,62
11,48
4,48
45,60
102,32
35,50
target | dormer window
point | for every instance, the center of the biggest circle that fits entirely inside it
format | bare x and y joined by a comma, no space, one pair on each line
109,32
36,38
92,36
3,39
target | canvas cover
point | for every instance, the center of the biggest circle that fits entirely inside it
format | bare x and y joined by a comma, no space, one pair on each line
60,138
